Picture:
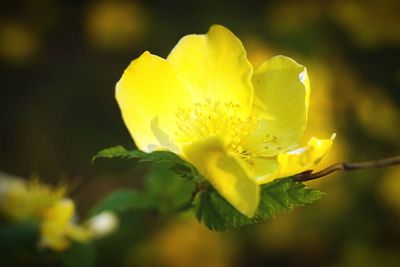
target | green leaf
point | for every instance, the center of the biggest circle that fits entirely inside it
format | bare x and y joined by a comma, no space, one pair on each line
168,189
82,255
166,158
123,200
207,213
278,196
165,190
118,152
17,239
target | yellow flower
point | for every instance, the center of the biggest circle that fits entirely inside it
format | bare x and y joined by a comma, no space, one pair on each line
239,127
21,200
58,228
31,200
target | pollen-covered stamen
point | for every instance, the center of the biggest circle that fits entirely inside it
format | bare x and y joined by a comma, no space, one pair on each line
223,120
208,119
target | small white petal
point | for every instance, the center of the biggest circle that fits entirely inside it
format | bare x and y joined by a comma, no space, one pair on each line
103,224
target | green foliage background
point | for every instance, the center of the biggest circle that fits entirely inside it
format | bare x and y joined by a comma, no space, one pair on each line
59,61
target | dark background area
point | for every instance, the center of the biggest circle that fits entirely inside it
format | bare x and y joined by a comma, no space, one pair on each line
60,60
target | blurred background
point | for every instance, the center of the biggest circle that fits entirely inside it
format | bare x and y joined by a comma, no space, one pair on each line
60,60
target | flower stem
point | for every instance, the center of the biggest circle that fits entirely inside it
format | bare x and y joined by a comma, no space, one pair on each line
307,175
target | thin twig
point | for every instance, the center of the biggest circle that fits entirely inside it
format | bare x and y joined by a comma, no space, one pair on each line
307,175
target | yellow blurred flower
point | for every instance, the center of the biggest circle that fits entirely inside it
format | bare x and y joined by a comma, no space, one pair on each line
18,43
181,243
370,23
21,200
390,189
239,127
115,24
31,200
57,227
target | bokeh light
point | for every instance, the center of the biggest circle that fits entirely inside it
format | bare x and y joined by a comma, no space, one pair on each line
116,25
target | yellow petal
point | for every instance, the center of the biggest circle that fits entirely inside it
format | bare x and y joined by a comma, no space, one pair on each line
149,95
61,212
282,90
300,160
55,222
79,233
215,68
225,174
261,166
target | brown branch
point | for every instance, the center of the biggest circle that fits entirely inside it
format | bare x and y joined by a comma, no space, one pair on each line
309,175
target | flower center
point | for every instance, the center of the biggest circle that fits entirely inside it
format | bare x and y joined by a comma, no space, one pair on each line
223,120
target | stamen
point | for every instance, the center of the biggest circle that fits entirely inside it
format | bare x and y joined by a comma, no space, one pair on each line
223,120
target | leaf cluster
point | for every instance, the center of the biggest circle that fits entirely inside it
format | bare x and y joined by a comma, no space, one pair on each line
279,196
185,187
